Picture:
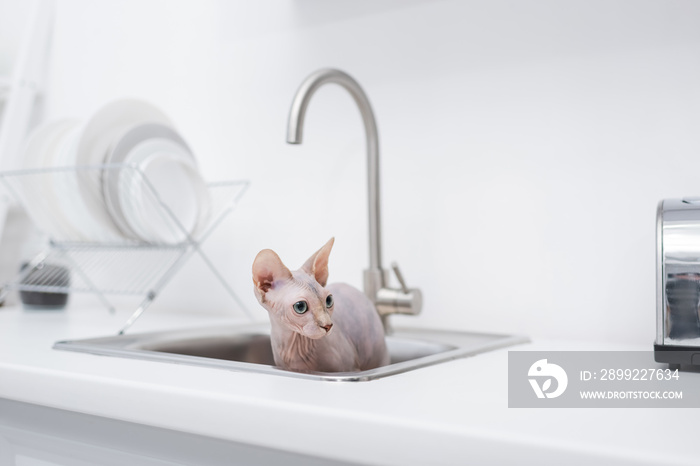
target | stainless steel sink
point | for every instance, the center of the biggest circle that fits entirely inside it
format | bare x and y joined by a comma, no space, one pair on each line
247,348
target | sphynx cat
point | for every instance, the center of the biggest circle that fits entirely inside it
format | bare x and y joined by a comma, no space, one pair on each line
314,327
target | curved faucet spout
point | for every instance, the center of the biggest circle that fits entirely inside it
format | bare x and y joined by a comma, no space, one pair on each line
294,136
387,300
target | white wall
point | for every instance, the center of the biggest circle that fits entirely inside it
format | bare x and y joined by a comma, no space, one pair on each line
524,144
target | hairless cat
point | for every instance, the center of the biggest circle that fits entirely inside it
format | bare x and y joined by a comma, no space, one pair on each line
314,327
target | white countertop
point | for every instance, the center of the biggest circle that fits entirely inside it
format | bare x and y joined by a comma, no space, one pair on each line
449,413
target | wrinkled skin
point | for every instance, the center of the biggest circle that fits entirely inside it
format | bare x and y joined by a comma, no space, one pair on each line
340,334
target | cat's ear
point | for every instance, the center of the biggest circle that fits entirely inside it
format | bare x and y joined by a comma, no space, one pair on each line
268,268
317,264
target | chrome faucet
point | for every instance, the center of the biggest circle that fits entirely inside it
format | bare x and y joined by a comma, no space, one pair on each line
388,301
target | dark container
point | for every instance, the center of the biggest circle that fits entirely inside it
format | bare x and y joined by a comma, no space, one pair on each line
45,275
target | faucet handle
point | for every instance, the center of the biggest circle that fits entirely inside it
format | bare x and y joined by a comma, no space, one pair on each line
399,301
399,277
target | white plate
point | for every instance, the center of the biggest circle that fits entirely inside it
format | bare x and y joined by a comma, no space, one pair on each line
117,176
41,139
41,200
171,202
73,205
99,133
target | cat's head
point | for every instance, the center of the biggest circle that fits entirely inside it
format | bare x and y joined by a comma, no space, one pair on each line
297,300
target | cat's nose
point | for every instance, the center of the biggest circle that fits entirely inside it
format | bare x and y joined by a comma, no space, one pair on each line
327,327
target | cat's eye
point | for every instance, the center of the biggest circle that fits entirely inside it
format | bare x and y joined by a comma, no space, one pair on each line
329,301
300,307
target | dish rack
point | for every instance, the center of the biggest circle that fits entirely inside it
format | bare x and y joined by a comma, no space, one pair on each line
113,264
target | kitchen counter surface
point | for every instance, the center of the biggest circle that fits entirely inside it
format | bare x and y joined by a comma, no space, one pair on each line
453,412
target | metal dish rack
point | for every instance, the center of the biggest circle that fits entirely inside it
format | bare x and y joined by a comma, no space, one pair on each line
113,264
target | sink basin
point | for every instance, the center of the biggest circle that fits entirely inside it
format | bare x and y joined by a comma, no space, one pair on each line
247,348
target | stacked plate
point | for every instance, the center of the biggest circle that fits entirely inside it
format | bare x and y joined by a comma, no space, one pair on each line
126,174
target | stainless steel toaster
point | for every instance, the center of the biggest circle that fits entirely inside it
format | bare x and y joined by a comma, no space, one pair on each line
678,282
